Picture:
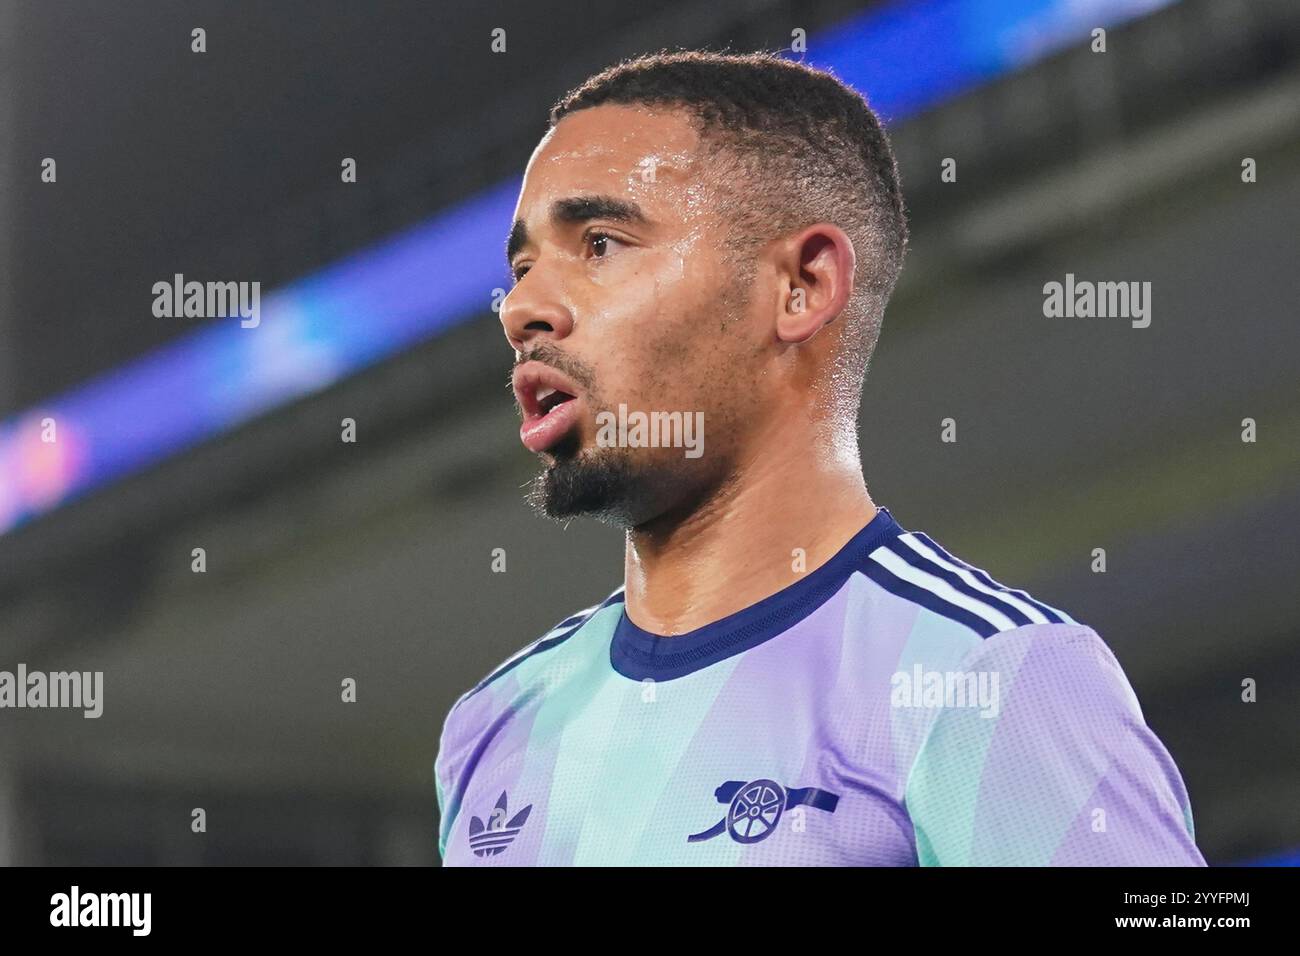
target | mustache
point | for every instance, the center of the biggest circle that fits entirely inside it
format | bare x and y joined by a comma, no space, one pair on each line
561,361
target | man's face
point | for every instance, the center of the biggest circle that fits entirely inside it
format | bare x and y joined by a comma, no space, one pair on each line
625,296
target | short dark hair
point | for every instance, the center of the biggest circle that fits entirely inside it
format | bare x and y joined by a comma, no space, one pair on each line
796,146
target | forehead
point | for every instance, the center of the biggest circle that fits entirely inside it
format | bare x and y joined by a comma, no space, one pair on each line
623,150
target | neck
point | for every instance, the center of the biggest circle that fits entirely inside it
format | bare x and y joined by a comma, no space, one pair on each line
738,547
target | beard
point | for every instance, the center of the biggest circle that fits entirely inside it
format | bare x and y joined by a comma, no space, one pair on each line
613,485
598,484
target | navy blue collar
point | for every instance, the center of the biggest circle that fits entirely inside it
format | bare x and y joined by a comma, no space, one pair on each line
641,655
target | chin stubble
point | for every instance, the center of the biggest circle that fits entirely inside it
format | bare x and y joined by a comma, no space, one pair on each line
596,485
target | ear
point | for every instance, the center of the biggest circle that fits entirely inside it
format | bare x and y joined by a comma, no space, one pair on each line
817,266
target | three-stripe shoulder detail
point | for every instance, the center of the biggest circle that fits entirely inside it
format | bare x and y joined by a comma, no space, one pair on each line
914,567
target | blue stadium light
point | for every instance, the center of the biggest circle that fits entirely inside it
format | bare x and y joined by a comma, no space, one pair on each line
312,333
907,57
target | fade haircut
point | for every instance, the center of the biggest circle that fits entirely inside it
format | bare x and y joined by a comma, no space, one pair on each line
790,145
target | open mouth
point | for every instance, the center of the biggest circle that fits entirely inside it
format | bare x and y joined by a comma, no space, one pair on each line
549,402
550,398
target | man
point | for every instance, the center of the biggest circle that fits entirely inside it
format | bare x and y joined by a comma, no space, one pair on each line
787,676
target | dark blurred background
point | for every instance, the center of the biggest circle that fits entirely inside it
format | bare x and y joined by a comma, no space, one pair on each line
373,560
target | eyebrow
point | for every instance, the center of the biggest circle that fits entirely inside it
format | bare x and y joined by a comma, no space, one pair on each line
578,209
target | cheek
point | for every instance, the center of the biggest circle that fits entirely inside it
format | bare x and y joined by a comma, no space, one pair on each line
638,283
624,298
657,324
640,320
650,371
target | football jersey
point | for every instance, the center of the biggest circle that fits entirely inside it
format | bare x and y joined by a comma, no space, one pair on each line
893,707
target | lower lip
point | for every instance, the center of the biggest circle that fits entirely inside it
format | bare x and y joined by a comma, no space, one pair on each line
539,434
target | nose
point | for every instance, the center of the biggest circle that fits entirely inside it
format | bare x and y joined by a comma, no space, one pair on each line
533,309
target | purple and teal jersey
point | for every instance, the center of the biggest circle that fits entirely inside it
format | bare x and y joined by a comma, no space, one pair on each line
893,707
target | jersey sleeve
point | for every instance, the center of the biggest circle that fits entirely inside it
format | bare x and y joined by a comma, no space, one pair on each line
442,811
446,768
475,712
1058,767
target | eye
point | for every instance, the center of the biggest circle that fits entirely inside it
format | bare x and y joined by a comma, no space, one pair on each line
599,243
519,272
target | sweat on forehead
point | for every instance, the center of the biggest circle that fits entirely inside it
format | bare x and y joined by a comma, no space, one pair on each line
612,163
619,142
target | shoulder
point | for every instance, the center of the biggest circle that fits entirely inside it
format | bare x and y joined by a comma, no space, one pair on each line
1048,760
547,643
916,569
1043,692
993,627
1041,699
476,708
1059,657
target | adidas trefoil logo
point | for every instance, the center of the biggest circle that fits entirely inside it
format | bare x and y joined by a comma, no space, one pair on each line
498,833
